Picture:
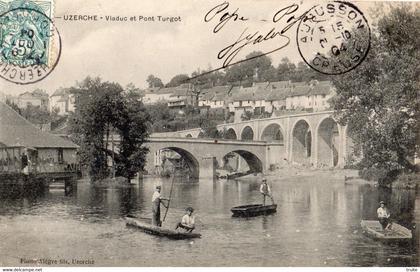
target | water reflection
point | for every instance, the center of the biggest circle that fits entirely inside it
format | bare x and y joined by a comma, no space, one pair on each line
316,224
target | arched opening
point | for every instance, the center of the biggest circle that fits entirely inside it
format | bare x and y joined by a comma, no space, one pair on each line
188,136
241,161
247,134
302,143
174,159
200,135
272,133
328,141
231,134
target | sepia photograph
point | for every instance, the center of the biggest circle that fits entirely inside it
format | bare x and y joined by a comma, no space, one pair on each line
209,134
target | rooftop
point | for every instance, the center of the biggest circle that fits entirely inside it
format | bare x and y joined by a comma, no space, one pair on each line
17,131
60,92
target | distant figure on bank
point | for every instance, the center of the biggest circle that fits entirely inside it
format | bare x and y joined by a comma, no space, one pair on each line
266,191
383,215
24,163
187,221
157,199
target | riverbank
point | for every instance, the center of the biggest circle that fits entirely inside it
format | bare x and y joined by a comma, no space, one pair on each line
347,176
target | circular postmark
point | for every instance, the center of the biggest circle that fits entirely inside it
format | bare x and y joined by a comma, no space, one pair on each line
333,38
30,45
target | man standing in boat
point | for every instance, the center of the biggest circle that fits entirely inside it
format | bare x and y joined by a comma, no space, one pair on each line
157,199
187,221
266,191
383,215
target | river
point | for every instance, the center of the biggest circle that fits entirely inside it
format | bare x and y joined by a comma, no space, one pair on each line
317,224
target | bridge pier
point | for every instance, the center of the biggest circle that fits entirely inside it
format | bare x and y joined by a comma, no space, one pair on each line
208,167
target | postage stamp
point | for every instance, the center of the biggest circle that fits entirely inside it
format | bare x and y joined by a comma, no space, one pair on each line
334,38
30,44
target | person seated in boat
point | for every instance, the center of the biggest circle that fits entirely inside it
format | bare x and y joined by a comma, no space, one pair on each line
265,190
383,216
187,221
157,199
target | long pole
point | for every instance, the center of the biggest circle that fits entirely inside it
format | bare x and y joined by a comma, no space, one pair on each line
170,196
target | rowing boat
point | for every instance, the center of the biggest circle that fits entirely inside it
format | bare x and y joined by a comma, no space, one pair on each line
396,233
253,210
159,231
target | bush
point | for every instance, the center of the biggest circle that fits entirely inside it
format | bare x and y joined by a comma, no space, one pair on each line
373,174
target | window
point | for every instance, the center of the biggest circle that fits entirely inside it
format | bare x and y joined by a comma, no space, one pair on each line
60,156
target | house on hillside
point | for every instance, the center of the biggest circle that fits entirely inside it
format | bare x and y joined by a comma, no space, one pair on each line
215,97
36,98
46,152
205,100
156,95
313,95
276,99
62,101
182,96
243,100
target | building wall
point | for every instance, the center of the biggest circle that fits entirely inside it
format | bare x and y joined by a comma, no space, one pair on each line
152,98
72,103
217,104
23,102
69,155
53,102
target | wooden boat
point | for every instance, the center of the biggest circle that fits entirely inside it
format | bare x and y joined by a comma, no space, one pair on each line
253,210
159,231
396,233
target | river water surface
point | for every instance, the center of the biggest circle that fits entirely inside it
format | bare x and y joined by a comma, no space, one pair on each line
317,224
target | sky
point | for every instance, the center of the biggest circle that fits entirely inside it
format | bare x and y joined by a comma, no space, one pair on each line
127,52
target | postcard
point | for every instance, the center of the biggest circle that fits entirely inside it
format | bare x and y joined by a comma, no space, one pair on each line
231,133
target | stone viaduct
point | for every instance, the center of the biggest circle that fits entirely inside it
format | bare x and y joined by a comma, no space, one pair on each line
313,139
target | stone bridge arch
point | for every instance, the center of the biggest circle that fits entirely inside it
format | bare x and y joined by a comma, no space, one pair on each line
189,158
247,133
328,143
203,155
231,134
254,163
273,133
302,141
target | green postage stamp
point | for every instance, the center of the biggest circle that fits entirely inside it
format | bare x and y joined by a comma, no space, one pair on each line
30,44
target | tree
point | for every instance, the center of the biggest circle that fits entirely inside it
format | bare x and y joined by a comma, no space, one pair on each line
252,70
285,69
178,80
104,108
154,81
379,99
35,114
209,128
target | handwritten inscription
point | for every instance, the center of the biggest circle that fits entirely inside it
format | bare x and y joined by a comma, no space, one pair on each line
283,21
223,14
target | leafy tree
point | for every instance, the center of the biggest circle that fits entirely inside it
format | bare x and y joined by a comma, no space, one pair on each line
14,106
285,69
249,71
379,99
35,114
178,80
103,108
154,81
209,128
